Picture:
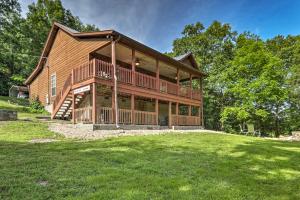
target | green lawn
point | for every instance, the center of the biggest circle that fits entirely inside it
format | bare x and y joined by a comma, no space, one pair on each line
172,166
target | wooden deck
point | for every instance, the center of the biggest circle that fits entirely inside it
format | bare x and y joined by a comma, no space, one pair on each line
132,83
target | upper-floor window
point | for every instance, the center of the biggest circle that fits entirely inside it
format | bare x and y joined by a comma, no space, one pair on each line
53,85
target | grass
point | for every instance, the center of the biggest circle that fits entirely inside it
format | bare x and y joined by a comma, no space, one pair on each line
172,166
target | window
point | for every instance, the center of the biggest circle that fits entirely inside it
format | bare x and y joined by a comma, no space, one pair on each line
53,85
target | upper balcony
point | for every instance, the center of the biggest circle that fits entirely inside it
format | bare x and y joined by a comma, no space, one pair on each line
141,70
104,70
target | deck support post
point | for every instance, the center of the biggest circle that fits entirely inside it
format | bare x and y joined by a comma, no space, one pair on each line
191,94
177,112
132,109
170,115
201,105
73,107
133,66
94,110
177,76
157,75
156,110
115,92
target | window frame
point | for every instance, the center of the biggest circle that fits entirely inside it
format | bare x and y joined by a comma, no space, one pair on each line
52,85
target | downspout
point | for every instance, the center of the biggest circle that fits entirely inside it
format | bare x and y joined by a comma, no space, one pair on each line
115,79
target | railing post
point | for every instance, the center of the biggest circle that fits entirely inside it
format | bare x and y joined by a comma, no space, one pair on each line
73,79
94,109
133,67
73,106
170,114
156,110
177,75
157,75
132,109
94,67
177,109
191,93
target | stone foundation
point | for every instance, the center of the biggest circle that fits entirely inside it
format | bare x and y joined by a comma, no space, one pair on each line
8,115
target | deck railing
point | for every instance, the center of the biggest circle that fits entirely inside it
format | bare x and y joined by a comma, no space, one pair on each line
103,69
59,95
83,72
144,118
185,120
83,115
104,115
145,81
124,75
184,92
125,116
167,87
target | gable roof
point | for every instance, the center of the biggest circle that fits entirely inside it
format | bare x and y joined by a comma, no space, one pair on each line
105,34
187,56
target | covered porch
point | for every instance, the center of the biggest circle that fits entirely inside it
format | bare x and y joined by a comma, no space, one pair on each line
97,107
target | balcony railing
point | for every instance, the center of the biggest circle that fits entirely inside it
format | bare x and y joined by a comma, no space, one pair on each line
185,120
104,70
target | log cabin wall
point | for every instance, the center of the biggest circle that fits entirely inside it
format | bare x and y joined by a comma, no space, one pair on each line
66,54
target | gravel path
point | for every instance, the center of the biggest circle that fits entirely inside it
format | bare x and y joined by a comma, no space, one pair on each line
71,131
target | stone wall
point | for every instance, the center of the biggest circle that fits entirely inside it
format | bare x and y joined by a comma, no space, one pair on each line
8,115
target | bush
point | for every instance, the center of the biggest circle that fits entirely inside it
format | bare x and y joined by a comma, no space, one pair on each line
19,101
35,106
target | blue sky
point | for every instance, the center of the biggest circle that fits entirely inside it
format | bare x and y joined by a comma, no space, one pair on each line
157,23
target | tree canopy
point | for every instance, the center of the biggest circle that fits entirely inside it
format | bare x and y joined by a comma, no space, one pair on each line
22,39
250,80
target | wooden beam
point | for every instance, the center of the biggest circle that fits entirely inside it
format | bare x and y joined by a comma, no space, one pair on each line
157,75
170,114
156,110
177,112
115,92
177,75
73,107
94,110
132,109
191,86
133,66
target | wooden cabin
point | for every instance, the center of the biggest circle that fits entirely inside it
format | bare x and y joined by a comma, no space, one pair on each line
106,77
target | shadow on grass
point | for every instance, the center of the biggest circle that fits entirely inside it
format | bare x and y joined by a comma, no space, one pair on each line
153,167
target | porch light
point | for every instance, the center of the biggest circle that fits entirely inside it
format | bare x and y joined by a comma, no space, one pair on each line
137,62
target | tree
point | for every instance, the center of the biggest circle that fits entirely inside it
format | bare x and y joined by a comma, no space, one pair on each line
256,84
213,48
42,15
22,40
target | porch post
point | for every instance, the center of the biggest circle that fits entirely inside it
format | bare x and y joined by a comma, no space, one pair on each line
156,110
177,75
191,95
157,75
73,107
133,67
177,109
190,109
200,115
114,95
132,109
170,114
94,110
201,105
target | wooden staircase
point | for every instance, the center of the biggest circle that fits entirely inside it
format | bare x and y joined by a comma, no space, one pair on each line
62,105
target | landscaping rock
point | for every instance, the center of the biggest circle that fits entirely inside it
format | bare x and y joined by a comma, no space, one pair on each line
8,115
